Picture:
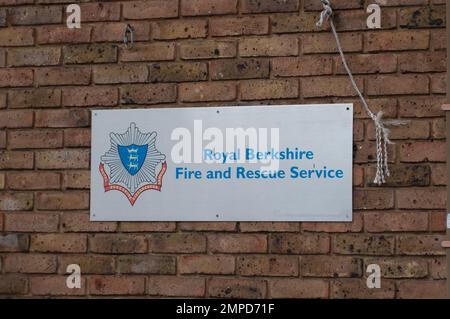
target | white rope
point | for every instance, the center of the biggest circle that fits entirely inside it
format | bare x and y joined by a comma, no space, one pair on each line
381,132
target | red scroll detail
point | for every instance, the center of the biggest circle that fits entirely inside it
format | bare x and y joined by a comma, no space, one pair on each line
134,197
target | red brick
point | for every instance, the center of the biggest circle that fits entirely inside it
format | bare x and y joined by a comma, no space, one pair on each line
158,51
59,243
116,285
34,56
429,106
438,268
325,43
237,243
365,152
328,86
62,201
438,40
267,265
379,222
147,227
117,243
217,91
396,268
438,83
269,89
2,186
268,227
90,53
299,243
423,151
150,9
294,23
207,7
16,119
439,174
89,264
273,46
206,264
368,63
16,201
414,129
33,180
120,74
16,77
396,41
28,222
35,15
403,175
422,62
34,98
252,6
63,76
231,26
207,226
99,12
353,227
298,288
13,285
35,139
330,266
438,221
62,159
397,85
352,244
420,245
30,263
171,286
16,37
62,34
179,29
207,49
357,288
2,139
176,243
373,199
14,242
423,17
419,289
178,72
387,105
77,137
146,264
148,94
90,96
80,222
16,160
438,128
62,118
113,32
302,66
77,179
236,288
55,286
427,198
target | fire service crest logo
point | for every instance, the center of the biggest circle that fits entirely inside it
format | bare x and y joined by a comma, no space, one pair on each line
133,164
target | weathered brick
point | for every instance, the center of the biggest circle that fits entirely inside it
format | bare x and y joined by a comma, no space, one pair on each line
397,85
351,244
294,23
16,119
231,26
176,243
103,11
157,51
90,53
438,269
396,268
63,76
113,32
207,226
387,105
357,288
368,63
438,40
172,286
438,128
62,34
438,83
90,96
16,37
12,77
148,94
267,265
328,86
236,288
269,89
421,106
14,242
273,46
237,243
438,174
117,243
217,91
178,72
379,222
116,285
55,286
260,6
34,56
62,200
403,175
89,264
120,74
330,266
35,139
420,289
62,159
268,227
423,151
353,227
207,49
373,199
206,264
35,15
325,43
34,98
207,7
77,179
298,288
302,66
62,118
30,222
16,201
426,245
30,263
80,222
13,284
147,226
16,160
59,243
33,180
150,9
414,129
299,243
438,221
422,62
77,137
179,29
146,264
396,41
432,198
423,17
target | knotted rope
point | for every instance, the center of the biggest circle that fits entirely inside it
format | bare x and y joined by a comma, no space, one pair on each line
381,132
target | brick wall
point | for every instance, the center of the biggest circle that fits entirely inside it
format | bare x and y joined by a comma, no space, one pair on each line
222,52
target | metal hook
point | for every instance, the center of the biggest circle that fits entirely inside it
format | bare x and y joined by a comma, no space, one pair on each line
128,38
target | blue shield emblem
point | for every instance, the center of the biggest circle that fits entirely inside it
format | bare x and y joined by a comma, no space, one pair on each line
132,157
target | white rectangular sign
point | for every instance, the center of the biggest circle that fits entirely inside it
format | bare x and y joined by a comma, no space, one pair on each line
243,163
